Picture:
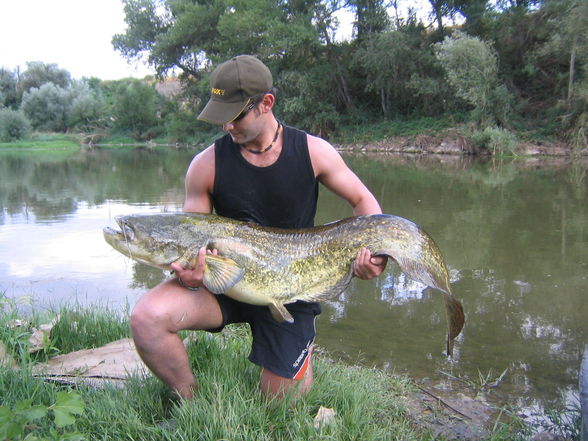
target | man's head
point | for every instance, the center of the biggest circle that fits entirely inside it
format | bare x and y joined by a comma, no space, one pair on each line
233,84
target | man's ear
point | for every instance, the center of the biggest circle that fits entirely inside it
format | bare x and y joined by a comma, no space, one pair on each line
267,102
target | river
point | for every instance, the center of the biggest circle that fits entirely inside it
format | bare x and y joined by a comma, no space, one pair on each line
514,234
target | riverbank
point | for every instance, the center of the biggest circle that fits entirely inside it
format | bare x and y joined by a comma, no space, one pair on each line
453,142
363,403
426,135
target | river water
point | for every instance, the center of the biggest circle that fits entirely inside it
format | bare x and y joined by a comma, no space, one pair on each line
514,235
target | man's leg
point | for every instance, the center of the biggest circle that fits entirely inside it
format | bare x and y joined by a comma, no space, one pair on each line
275,386
155,321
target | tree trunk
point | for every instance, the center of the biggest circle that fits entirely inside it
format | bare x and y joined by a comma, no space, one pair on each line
572,70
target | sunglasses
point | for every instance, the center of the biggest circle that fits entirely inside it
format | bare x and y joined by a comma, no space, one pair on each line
245,111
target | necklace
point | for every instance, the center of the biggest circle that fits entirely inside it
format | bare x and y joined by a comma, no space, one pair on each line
259,152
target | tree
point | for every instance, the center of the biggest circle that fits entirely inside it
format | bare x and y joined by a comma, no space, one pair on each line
13,125
388,63
8,90
39,73
371,17
135,108
171,34
88,108
471,67
47,107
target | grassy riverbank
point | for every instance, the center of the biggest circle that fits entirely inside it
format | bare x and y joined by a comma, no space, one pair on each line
435,135
369,404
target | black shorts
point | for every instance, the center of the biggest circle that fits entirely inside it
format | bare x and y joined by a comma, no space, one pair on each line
282,348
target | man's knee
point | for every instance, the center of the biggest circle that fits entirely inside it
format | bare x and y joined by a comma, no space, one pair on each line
146,318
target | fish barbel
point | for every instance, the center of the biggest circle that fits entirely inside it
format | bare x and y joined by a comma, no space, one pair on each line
273,267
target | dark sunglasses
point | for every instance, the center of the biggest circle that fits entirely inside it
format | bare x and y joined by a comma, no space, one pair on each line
245,111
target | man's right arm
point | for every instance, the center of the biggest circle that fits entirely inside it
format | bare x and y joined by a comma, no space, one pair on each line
199,182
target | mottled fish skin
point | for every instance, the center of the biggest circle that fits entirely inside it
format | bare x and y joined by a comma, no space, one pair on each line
271,266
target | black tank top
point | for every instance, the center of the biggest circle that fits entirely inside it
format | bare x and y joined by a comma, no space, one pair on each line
283,194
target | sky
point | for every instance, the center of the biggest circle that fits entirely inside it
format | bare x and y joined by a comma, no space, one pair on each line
74,34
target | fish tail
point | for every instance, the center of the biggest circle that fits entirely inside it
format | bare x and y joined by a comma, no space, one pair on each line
455,318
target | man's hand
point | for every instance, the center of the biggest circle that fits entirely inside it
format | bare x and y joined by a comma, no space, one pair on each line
366,266
193,275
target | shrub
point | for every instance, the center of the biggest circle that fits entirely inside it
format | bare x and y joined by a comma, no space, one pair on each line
47,107
497,140
13,125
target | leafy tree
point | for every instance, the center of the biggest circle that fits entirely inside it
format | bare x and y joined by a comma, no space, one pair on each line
8,89
13,125
388,61
47,107
371,17
305,103
135,108
472,69
88,108
171,34
39,73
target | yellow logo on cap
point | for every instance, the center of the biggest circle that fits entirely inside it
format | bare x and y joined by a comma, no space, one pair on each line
218,91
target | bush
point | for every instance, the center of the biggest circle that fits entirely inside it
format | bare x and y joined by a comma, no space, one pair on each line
13,125
88,109
47,107
497,140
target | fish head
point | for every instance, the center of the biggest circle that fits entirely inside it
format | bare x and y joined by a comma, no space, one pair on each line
156,240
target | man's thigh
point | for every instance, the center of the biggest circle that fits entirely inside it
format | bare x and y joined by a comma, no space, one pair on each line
179,308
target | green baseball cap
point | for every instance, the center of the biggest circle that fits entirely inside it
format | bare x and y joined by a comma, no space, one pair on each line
232,84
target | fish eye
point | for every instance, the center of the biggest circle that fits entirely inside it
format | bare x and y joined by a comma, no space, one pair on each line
128,232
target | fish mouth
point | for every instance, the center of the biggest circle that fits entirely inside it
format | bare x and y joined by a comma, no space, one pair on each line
125,234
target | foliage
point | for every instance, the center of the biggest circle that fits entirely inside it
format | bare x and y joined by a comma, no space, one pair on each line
47,107
39,73
472,69
13,125
135,109
514,64
87,110
19,422
496,140
8,89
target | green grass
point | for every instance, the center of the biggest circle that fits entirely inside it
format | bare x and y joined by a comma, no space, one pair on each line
369,403
44,141
377,131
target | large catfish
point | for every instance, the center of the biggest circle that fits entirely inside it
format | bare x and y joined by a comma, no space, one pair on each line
273,267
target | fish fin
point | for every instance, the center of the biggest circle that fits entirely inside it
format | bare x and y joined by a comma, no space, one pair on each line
280,313
188,259
221,273
455,319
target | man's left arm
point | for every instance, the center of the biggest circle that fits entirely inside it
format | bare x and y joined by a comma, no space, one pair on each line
331,170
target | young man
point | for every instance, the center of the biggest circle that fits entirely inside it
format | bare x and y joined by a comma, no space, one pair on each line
260,171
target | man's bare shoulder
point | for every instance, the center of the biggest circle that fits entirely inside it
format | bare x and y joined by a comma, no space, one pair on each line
323,155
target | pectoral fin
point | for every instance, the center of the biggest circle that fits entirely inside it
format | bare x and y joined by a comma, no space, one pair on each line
188,259
280,313
221,274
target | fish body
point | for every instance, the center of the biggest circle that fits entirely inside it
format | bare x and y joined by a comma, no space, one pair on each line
273,267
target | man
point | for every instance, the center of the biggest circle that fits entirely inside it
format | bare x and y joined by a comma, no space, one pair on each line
265,172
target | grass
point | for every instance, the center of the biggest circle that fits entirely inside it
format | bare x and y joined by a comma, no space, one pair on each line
44,141
369,404
377,131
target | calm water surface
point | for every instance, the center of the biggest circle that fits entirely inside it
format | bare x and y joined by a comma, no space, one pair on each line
514,234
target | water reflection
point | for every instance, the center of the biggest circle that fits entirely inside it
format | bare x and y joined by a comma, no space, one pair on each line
514,236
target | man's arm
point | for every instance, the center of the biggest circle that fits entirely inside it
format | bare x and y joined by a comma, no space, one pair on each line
331,170
198,182
333,173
